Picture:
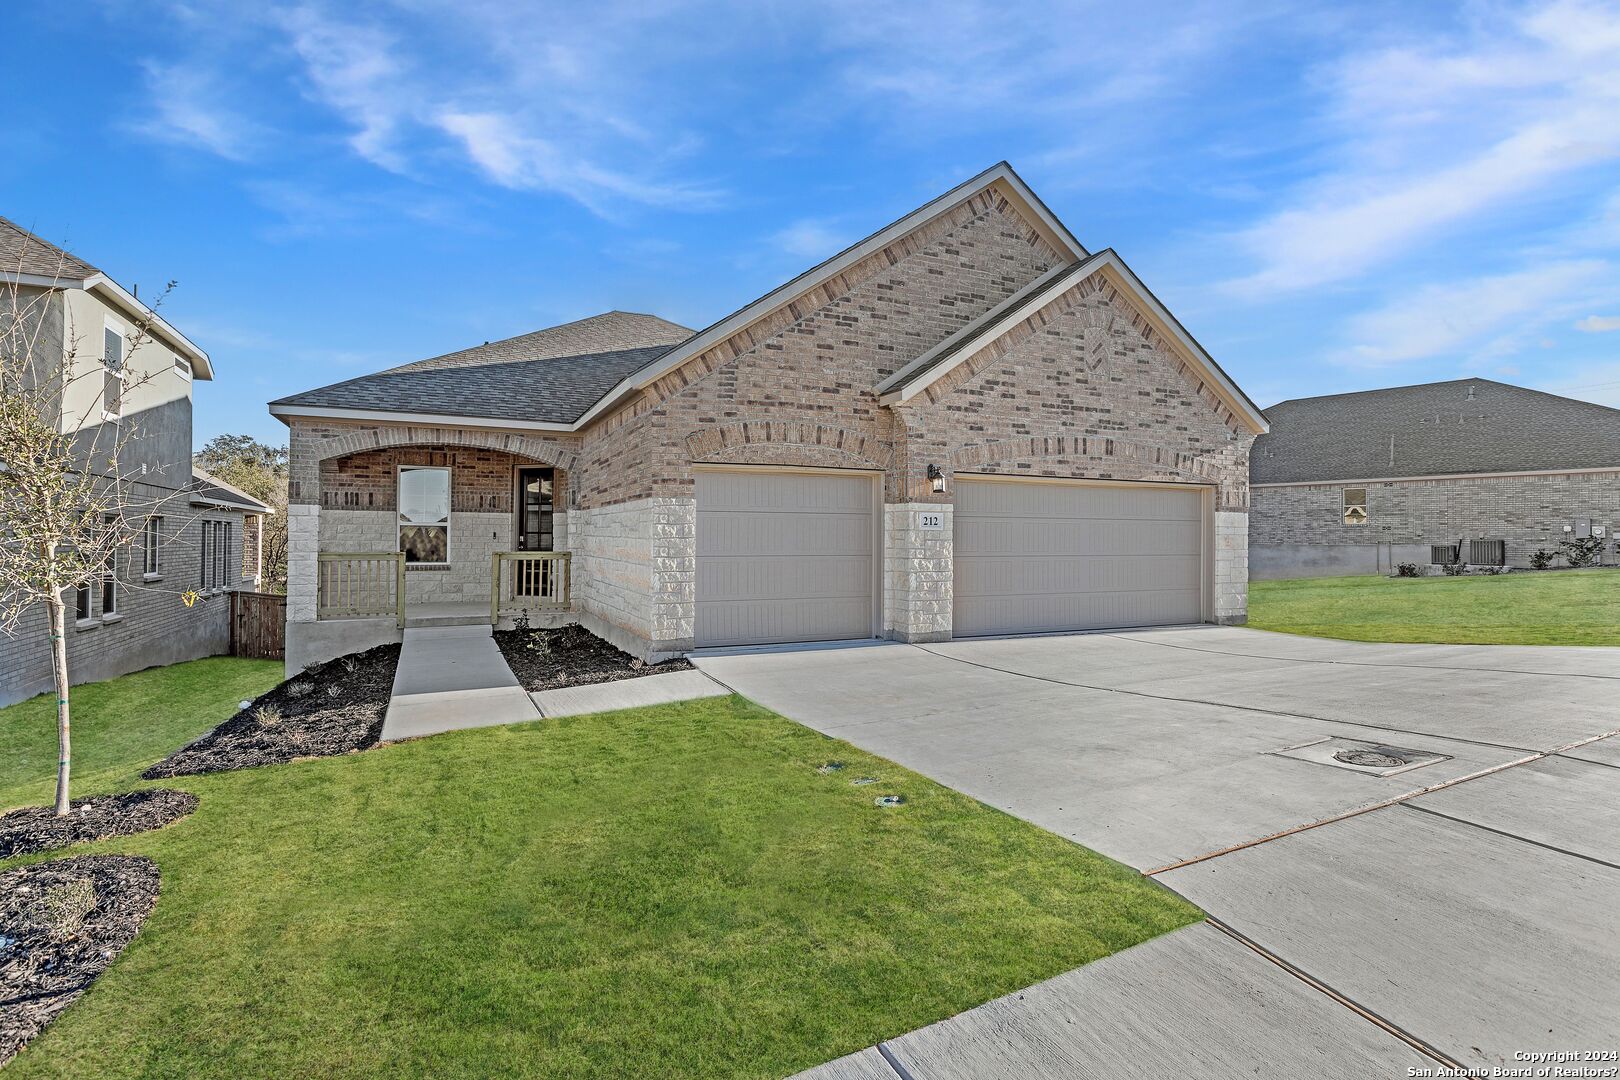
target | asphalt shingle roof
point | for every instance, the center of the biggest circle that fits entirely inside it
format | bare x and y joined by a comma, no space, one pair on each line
206,486
23,252
1434,429
549,376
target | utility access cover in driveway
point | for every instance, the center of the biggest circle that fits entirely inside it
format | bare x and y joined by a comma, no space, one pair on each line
1374,759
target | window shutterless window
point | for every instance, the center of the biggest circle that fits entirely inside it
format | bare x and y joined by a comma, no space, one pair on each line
109,585
1355,506
424,513
205,563
112,357
81,603
151,543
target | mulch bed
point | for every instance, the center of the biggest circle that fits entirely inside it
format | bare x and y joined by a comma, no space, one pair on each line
330,709
61,924
571,656
37,828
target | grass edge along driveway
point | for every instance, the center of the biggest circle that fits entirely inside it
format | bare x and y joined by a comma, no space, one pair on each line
673,891
1565,607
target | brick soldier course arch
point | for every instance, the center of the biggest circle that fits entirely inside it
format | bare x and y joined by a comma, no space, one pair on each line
779,442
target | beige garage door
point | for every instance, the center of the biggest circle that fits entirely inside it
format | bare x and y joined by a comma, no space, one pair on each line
784,556
1034,557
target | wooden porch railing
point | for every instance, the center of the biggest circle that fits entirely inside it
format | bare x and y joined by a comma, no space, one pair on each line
528,581
361,584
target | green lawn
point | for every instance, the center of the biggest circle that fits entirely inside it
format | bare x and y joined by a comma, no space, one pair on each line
1571,607
123,725
662,892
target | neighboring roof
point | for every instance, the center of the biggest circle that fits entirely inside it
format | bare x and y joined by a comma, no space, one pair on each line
207,489
1433,429
550,376
21,252
30,260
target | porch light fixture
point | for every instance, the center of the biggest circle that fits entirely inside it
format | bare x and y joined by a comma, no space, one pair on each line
936,479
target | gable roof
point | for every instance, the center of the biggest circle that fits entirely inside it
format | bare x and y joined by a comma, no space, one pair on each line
547,377
29,260
21,252
1448,428
206,489
916,376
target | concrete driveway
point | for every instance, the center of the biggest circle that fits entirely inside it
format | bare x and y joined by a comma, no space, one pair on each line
1462,911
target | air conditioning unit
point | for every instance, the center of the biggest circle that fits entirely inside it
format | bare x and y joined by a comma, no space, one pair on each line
1487,553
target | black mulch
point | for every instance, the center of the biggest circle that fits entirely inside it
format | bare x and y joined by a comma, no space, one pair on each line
61,924
37,828
571,656
334,708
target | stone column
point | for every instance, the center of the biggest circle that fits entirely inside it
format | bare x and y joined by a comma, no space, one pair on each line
303,545
1231,567
674,575
917,572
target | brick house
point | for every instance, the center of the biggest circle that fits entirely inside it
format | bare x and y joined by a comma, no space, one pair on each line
966,423
1357,483
202,535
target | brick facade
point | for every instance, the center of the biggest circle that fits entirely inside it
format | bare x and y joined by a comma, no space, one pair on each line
1084,389
1528,512
152,625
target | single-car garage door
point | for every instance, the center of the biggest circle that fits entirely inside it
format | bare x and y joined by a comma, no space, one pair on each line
1033,557
785,556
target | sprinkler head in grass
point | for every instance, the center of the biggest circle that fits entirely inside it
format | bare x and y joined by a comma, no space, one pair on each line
830,767
889,800
862,781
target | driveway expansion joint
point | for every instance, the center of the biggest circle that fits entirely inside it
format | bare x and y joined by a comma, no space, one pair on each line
1514,835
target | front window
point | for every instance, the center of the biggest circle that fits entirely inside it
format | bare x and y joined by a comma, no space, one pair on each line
1355,506
424,514
109,571
81,603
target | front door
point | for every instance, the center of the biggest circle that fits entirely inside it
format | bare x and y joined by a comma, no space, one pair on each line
533,527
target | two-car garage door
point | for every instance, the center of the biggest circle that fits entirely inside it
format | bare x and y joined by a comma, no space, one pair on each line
787,555
1034,557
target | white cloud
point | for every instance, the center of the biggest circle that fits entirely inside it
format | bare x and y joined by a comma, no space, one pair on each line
1599,324
1484,318
186,109
1507,112
809,238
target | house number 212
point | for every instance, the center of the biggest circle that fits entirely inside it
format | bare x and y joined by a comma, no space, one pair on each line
932,520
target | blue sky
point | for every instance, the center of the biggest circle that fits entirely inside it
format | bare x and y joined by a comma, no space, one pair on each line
1329,199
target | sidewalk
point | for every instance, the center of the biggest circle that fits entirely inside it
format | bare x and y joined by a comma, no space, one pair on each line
449,678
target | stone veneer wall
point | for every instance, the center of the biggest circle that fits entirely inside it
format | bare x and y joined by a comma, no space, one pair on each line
1528,512
917,573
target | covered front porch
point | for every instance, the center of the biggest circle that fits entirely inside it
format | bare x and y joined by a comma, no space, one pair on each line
422,532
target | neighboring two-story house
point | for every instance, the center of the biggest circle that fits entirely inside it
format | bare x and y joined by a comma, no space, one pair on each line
200,539
966,423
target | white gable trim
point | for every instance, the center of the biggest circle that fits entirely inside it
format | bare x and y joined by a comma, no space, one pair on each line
113,294
1000,176
1120,276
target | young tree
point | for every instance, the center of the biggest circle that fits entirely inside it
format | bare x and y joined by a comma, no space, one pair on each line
260,470
68,497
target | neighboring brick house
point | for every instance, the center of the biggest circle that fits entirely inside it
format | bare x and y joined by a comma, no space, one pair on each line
202,535
966,423
1358,483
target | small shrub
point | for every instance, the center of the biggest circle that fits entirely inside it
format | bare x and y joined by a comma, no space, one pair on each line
1581,550
1408,569
1455,569
520,621
299,689
1541,560
267,715
334,690
351,665
1488,571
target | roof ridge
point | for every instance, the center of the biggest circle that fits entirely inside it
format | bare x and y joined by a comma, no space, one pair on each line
1443,382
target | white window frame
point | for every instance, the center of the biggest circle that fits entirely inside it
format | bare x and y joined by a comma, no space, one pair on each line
111,588
182,368
449,502
151,546
121,372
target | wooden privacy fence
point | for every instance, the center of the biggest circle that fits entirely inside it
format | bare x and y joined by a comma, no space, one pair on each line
258,625
528,581
360,584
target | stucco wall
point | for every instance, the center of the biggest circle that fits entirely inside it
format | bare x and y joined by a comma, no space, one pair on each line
1528,512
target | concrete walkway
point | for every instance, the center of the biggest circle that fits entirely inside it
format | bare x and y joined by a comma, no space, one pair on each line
663,689
449,678
1341,896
